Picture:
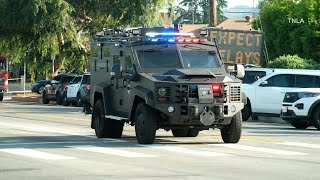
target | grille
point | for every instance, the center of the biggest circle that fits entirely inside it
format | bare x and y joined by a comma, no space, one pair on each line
166,97
184,92
235,94
290,97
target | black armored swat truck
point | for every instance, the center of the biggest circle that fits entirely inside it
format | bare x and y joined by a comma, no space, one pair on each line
157,78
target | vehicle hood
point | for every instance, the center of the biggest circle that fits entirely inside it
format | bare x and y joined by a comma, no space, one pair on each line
191,76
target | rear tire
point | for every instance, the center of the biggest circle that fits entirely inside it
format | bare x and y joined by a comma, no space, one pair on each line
58,98
145,124
246,112
104,127
45,99
315,118
300,124
185,132
232,132
1,96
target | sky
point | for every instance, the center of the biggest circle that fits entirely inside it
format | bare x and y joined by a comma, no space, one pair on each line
232,3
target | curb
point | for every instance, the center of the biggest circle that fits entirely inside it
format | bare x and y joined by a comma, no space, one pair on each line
25,99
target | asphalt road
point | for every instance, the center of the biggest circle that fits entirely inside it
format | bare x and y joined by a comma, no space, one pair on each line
55,142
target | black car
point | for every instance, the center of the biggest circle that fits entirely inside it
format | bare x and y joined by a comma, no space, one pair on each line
38,86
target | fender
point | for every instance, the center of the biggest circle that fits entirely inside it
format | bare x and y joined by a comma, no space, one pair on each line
244,98
314,105
104,89
143,93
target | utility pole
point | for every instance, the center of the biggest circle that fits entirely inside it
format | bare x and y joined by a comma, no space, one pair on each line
212,13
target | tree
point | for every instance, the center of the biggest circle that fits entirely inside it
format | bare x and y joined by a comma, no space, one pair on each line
283,36
36,30
198,10
293,62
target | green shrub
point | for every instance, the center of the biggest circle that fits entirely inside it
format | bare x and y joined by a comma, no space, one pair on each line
293,62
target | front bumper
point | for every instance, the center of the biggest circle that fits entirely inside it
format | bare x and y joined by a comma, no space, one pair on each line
298,110
193,114
290,116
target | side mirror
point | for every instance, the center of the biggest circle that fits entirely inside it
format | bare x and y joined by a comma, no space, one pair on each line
116,71
264,84
240,71
132,74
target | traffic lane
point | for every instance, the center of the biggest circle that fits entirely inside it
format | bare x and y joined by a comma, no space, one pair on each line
190,146
170,164
60,115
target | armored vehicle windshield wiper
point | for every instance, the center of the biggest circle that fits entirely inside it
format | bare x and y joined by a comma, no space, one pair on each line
193,47
156,49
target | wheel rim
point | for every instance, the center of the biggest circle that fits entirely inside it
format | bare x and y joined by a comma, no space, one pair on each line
319,117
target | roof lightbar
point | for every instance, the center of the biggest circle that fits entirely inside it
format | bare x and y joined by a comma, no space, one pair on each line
151,34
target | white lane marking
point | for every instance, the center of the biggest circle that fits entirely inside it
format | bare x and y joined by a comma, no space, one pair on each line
317,146
35,154
111,151
259,149
187,151
58,131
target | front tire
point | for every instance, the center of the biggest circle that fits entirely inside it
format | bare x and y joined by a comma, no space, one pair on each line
1,96
65,101
79,100
300,124
232,132
315,118
45,99
246,112
145,124
104,127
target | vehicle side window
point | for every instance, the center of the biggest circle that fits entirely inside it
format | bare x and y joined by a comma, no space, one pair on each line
252,76
86,80
76,80
317,82
304,81
67,79
282,80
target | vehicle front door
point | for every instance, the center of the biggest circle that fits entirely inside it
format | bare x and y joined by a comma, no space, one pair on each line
73,88
270,93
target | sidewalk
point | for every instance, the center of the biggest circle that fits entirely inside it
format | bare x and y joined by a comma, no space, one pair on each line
22,96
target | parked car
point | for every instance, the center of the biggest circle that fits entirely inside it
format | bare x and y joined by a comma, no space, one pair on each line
78,92
264,96
301,107
54,89
38,86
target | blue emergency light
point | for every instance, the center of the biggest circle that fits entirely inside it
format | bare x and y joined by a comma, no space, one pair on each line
173,37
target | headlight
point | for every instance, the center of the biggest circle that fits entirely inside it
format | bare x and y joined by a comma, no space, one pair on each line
307,94
162,91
